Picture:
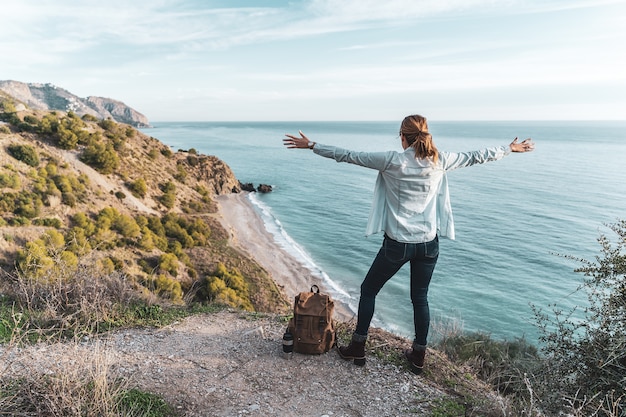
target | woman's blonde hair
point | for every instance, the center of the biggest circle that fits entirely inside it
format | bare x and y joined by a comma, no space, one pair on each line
415,131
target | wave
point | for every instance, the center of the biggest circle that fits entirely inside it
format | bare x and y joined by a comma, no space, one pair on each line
289,245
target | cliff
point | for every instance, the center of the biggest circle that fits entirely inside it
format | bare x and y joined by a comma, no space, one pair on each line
49,97
137,206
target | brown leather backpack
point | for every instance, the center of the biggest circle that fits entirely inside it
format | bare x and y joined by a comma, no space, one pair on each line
312,323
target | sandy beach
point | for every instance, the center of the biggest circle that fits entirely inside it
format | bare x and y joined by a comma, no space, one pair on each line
248,233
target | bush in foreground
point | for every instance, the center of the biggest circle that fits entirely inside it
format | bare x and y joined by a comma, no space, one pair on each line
580,370
585,359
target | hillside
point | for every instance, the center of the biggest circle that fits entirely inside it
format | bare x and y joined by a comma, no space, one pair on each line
39,96
110,192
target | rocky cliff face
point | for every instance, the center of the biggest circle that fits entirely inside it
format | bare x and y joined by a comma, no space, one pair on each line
49,97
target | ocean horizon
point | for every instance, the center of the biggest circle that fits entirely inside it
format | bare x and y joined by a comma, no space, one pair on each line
518,220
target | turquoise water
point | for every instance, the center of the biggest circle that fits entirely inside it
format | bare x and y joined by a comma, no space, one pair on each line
513,217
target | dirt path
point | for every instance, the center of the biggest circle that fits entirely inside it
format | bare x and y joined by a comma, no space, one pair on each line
230,364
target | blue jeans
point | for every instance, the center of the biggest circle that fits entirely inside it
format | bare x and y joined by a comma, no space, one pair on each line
391,256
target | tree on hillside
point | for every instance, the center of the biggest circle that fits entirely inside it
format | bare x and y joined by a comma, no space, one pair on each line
101,156
7,106
24,153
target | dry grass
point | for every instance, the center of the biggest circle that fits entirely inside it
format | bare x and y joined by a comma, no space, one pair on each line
70,300
79,384
62,307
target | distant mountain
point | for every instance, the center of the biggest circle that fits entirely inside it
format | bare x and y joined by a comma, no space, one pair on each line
50,97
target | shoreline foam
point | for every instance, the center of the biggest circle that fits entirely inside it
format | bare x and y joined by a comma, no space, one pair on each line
249,233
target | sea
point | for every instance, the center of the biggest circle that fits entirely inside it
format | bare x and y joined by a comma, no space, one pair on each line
521,222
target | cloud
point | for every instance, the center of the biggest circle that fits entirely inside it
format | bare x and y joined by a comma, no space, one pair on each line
273,51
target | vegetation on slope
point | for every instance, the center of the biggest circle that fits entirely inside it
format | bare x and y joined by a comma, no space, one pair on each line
76,187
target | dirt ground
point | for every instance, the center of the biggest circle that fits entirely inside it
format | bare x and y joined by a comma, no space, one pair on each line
231,364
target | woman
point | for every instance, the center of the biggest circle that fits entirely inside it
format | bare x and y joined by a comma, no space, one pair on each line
412,207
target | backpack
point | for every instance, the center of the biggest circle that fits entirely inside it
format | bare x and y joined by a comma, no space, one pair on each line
312,323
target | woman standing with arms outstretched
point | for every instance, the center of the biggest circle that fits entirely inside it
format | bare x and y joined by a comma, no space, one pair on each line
412,207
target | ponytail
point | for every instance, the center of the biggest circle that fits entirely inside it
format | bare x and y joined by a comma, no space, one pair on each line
415,131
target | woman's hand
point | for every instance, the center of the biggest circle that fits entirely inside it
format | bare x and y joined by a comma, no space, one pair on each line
294,142
526,145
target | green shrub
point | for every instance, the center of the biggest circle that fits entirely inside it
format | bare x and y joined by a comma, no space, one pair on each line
42,255
19,221
7,202
108,124
168,199
155,224
500,363
168,288
138,188
145,266
193,160
66,138
168,187
62,183
69,199
10,180
31,119
126,226
168,262
89,118
101,157
50,170
77,241
81,220
7,106
181,173
138,403
24,153
227,287
585,359
49,222
48,124
27,205
176,232
106,217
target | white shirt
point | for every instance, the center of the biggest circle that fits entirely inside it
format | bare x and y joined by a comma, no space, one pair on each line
411,201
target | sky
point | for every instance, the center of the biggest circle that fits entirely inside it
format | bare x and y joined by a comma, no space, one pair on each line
300,60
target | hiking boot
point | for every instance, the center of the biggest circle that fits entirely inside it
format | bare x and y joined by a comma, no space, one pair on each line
416,359
355,350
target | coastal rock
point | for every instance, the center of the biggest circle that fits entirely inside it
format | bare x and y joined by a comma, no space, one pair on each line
214,173
248,186
50,97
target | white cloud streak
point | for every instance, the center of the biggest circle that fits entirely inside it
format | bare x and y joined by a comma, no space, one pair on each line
178,42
